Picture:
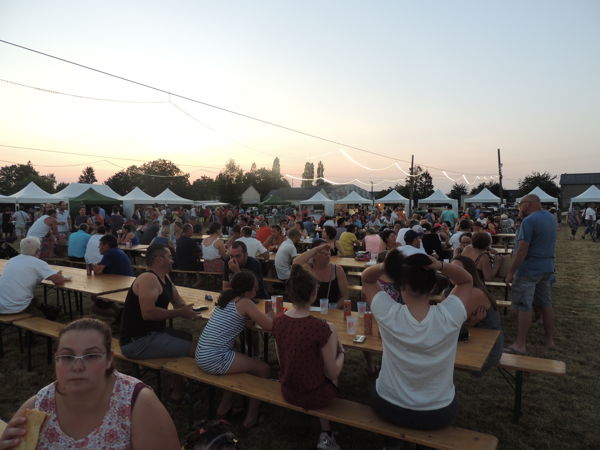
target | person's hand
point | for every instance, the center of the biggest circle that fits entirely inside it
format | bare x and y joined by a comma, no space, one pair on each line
188,313
479,314
331,326
234,265
435,264
15,430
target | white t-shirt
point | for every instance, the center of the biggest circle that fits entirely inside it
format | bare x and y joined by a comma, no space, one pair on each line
283,259
417,366
590,214
18,281
409,250
455,239
21,218
400,236
92,252
253,245
62,217
39,229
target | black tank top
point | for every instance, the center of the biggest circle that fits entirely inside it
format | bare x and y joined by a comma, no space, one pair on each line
133,324
329,289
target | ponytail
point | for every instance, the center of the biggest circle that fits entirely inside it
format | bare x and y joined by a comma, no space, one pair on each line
241,282
412,271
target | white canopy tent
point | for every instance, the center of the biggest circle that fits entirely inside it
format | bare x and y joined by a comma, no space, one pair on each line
484,196
353,198
320,199
590,195
168,197
31,193
544,198
439,198
205,203
76,189
394,197
135,197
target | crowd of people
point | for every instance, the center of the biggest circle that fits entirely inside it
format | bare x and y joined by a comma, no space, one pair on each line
414,386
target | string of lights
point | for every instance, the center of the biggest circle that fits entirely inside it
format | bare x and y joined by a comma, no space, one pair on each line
354,180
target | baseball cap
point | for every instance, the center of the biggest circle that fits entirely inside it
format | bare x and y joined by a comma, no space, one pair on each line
410,236
417,229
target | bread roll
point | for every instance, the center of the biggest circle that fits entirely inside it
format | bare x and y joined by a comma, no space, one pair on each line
35,420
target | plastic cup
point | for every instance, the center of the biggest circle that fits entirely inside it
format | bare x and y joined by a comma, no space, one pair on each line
362,308
324,304
351,324
332,305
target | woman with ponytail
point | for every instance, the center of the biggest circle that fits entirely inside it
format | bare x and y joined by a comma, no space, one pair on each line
415,386
310,355
215,354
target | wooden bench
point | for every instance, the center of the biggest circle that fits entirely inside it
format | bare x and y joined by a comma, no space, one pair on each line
526,364
341,411
6,320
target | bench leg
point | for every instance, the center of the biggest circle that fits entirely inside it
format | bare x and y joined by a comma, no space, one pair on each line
29,343
20,339
518,396
266,347
49,350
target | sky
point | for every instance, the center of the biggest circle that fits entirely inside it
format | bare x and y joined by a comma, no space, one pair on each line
447,82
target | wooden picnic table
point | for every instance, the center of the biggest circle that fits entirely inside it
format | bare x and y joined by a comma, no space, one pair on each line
506,238
347,263
91,284
134,248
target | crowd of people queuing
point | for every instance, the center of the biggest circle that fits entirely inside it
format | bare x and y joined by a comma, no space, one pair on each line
407,251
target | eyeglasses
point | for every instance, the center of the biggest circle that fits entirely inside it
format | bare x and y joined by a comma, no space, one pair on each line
69,360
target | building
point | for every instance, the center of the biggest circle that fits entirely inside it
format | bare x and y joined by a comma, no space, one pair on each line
573,184
250,196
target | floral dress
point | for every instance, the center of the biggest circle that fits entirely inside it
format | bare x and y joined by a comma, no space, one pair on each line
113,433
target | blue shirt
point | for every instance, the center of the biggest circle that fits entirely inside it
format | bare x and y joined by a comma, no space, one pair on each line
116,261
77,244
539,231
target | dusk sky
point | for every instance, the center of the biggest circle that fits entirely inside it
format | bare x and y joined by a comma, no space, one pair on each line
449,82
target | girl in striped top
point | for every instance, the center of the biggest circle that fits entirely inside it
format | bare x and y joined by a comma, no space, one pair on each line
215,353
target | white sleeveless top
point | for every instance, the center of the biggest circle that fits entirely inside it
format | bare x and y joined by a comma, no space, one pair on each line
210,251
39,228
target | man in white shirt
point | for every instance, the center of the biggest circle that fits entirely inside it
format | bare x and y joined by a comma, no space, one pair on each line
464,227
413,244
254,246
21,218
63,219
21,276
589,219
92,250
286,254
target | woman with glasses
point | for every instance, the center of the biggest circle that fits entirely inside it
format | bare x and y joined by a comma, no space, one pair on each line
91,405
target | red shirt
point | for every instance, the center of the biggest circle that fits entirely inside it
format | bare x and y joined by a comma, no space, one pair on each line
263,233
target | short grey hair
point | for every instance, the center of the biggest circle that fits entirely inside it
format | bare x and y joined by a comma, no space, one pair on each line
30,246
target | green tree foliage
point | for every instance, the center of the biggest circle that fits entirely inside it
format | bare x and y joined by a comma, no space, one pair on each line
276,168
457,190
309,173
88,176
264,180
422,183
491,185
15,177
203,188
124,181
320,174
60,186
545,181
228,183
152,177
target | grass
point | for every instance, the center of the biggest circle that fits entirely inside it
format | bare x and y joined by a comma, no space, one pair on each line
559,412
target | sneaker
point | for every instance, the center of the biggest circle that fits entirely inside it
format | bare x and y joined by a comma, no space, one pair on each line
327,442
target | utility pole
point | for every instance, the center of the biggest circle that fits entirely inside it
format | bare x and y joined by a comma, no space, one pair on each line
500,176
412,183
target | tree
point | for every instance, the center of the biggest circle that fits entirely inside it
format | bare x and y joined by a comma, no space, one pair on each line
276,168
60,186
152,177
545,181
320,174
88,176
204,188
229,183
124,181
458,189
491,185
422,183
308,174
15,177
253,167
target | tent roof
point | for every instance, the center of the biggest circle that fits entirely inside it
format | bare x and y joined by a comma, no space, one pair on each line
76,189
439,197
169,197
138,196
544,198
393,197
275,200
92,196
318,199
353,198
484,196
591,194
31,193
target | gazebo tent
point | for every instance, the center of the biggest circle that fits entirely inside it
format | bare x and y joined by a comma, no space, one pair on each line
353,198
394,197
31,193
168,197
91,197
590,195
320,199
274,200
544,198
76,189
485,196
135,197
439,198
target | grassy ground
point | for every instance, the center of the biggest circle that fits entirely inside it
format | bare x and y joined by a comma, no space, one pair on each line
559,412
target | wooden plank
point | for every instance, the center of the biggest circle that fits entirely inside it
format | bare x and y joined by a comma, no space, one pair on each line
41,326
7,319
91,284
154,363
340,411
532,364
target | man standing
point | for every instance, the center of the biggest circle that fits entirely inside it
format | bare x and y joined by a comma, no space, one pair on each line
450,216
589,219
63,219
21,218
286,254
532,270
239,260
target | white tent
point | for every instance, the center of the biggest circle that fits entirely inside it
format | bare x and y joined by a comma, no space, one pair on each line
437,198
485,196
590,195
353,198
135,197
544,198
76,189
320,199
394,197
168,197
205,203
31,193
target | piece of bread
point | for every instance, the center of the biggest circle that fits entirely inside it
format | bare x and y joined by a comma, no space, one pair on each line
35,420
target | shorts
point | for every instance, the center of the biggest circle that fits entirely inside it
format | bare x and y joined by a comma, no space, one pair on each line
165,344
529,290
214,361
